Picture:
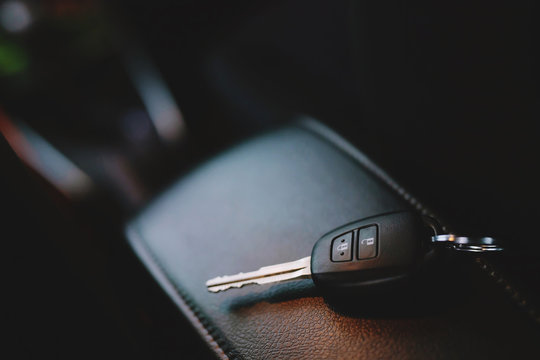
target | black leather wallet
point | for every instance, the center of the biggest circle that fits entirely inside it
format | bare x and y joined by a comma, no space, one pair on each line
268,201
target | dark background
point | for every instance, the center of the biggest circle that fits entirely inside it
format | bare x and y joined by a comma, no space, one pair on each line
444,96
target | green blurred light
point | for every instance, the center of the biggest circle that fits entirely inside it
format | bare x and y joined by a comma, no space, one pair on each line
13,60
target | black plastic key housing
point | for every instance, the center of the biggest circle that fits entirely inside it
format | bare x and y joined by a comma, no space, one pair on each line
395,244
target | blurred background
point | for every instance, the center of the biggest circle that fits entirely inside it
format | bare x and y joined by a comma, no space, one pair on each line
105,103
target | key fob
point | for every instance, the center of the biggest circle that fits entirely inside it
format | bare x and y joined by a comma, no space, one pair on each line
378,252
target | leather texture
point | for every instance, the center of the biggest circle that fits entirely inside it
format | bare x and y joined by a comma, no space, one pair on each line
268,201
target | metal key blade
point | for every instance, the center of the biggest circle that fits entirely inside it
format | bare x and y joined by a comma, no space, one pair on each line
298,269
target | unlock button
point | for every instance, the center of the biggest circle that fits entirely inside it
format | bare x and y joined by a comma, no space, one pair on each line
342,247
367,242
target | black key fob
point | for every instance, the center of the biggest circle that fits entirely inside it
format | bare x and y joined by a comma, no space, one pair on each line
375,252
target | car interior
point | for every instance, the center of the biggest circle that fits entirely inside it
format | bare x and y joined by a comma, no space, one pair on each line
375,160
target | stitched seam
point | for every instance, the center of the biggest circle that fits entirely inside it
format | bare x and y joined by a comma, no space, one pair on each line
211,334
514,294
326,133
201,323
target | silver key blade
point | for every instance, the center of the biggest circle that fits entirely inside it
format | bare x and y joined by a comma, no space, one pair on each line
299,269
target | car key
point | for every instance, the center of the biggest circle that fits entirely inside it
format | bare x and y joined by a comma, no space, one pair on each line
379,250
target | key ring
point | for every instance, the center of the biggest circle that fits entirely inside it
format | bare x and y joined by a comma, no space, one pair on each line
469,244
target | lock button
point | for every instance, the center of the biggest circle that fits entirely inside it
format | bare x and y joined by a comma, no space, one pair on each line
367,242
342,247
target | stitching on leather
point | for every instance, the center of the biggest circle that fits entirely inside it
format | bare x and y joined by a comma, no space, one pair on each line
514,294
326,133
209,333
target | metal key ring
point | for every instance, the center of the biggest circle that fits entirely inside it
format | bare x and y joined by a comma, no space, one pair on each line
469,244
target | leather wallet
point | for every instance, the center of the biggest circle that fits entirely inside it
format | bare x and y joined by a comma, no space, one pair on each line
267,201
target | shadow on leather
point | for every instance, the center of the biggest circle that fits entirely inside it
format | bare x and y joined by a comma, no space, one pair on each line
275,294
428,294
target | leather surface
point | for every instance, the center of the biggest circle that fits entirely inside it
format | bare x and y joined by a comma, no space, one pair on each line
268,201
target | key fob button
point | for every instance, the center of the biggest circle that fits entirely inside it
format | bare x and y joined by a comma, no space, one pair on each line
367,242
342,247
387,249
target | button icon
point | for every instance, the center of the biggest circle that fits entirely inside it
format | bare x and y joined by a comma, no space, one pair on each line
367,242
342,247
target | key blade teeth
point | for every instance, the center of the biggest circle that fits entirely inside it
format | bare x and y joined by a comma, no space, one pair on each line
226,279
299,269
215,289
218,288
